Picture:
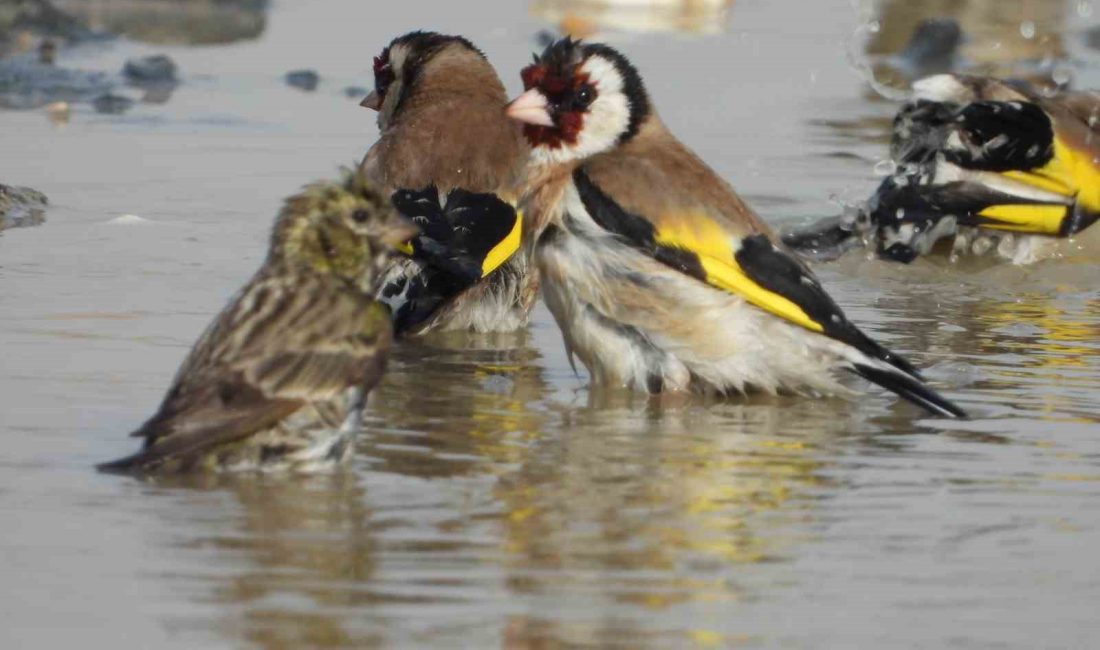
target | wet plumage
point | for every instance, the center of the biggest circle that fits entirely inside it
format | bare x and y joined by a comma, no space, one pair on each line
660,277
983,166
279,378
450,159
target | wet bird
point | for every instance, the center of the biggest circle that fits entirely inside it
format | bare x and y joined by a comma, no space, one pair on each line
982,166
451,161
660,277
279,379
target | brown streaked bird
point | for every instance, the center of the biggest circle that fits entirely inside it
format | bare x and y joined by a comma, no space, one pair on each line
451,161
660,277
984,167
279,379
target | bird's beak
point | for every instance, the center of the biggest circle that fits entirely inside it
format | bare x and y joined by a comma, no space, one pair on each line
396,231
372,101
530,108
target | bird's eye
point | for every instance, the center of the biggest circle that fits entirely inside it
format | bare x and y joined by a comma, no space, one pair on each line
584,95
360,216
383,74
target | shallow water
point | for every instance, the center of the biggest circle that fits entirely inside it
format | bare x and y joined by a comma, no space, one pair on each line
495,500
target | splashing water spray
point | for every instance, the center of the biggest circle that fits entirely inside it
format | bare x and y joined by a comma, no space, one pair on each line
859,61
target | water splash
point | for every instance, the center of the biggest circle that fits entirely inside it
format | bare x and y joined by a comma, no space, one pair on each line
854,52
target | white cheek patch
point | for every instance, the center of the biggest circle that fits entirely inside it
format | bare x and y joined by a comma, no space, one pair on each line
607,118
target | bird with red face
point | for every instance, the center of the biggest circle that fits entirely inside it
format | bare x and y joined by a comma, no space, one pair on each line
659,276
451,161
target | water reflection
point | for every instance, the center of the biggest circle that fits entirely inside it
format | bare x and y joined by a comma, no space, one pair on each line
448,410
585,18
631,504
294,552
996,330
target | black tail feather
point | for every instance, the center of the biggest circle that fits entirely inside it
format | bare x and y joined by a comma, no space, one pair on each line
127,465
910,389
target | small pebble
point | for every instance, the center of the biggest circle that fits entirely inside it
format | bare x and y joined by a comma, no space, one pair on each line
303,79
58,112
157,68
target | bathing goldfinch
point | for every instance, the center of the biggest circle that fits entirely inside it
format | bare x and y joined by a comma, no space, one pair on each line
450,160
278,380
660,277
983,166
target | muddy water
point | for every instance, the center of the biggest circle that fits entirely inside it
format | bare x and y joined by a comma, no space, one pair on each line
494,499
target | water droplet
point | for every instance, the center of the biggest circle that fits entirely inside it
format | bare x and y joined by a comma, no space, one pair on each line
1062,74
1084,8
874,26
900,214
1027,29
885,168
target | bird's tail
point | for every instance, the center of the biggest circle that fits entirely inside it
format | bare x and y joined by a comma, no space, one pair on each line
909,388
131,464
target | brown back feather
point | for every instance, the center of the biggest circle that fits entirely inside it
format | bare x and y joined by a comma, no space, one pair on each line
451,130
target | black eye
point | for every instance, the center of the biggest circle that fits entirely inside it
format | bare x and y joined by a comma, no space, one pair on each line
360,216
383,73
584,95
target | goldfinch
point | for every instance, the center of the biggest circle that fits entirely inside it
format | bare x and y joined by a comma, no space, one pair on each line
982,166
451,161
660,277
278,380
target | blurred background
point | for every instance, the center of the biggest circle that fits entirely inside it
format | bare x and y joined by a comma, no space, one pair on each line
145,147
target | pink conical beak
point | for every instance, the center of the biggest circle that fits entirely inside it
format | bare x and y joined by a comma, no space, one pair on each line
530,108
372,101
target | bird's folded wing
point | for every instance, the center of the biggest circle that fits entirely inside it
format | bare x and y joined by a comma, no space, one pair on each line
466,234
277,347
746,264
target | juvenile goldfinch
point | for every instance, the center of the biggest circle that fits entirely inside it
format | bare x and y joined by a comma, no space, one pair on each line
450,160
278,380
658,275
983,166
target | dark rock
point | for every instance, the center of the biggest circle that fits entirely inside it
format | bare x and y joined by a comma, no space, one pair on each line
21,206
932,47
111,104
303,79
155,69
47,51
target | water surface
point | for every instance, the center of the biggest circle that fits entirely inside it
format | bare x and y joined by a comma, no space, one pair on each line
494,500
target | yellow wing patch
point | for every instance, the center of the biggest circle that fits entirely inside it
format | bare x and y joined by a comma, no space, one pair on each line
1025,218
1071,173
730,277
504,249
716,248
